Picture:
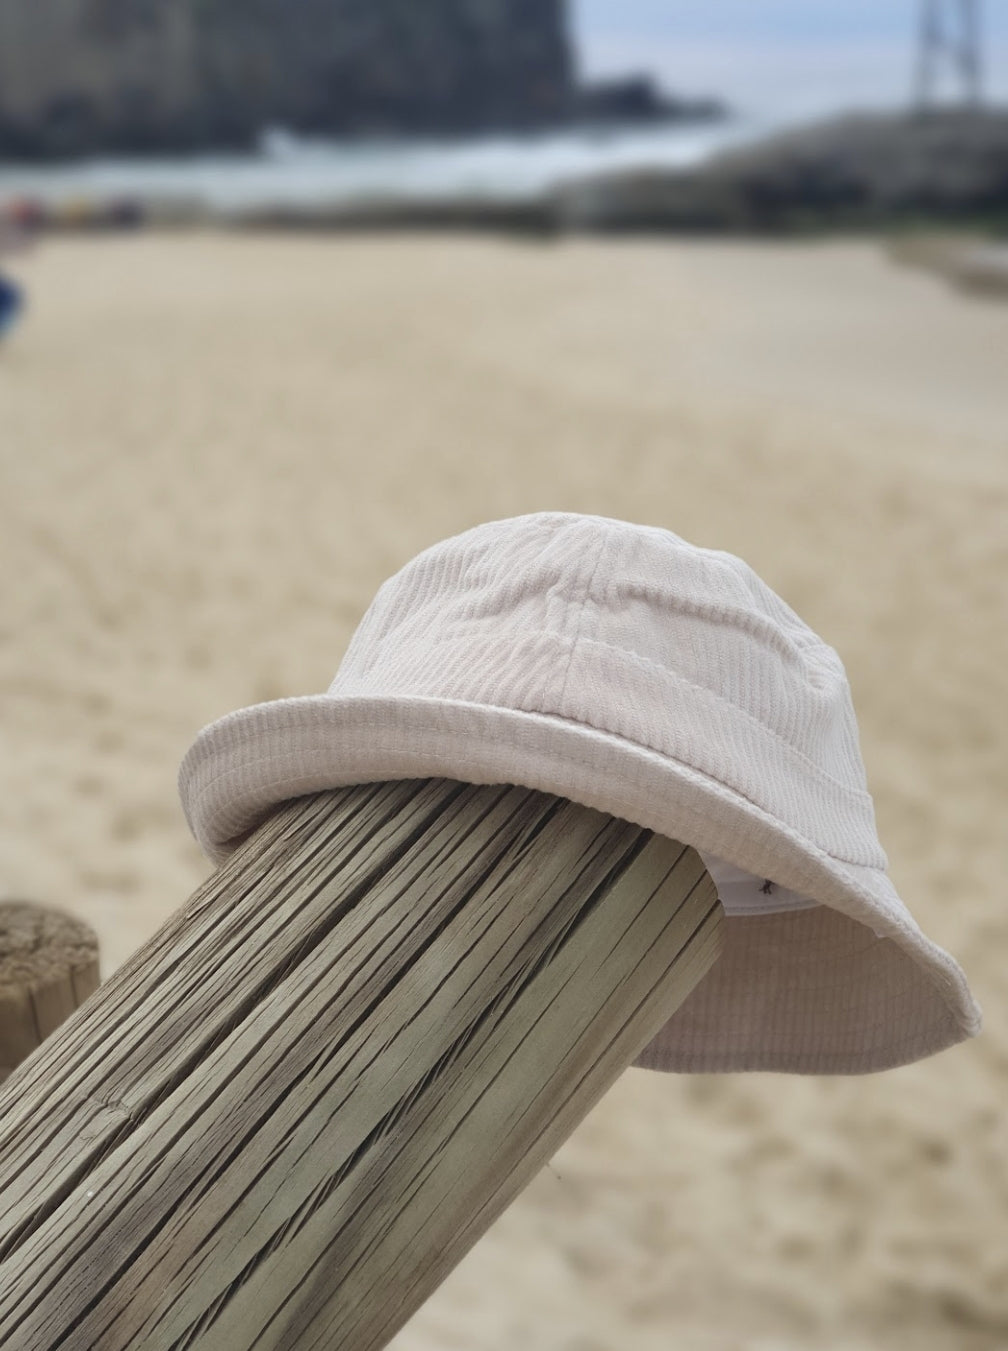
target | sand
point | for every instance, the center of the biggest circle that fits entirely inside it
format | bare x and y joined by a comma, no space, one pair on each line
213,449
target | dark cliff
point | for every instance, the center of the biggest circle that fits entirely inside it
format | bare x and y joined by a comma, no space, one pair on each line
86,76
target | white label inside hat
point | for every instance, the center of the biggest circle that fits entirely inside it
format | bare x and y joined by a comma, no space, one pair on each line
741,893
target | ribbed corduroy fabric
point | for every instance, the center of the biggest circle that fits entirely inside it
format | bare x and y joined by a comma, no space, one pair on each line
621,667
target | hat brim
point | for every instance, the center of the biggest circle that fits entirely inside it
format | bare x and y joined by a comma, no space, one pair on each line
856,986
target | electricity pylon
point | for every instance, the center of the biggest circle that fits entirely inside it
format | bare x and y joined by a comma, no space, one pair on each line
949,32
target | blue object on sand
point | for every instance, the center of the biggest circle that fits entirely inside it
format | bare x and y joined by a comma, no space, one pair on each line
11,303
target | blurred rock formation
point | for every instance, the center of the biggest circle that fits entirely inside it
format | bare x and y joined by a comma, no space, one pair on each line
861,171
85,76
637,98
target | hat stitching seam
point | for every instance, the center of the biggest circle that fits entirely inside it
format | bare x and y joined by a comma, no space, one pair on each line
795,645
634,658
637,659
576,638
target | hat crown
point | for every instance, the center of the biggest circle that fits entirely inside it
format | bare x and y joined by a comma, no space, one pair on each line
634,632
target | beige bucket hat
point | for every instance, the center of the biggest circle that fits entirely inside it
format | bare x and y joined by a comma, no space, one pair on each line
621,667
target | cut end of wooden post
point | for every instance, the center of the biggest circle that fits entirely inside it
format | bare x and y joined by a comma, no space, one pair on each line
48,967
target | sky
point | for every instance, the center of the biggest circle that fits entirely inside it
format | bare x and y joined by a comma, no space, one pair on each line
769,56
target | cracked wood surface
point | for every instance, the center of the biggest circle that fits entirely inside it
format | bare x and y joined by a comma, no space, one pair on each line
291,1113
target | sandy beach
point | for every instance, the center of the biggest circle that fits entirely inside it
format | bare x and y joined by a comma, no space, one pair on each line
212,451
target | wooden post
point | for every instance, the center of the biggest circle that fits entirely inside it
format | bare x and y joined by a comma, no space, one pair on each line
48,967
287,1118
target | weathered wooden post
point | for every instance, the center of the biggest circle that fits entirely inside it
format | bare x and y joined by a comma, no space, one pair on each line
48,967
287,1118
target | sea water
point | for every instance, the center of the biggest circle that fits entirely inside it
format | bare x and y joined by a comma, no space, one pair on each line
291,172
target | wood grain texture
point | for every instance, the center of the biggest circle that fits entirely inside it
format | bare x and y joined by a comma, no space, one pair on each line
48,967
287,1118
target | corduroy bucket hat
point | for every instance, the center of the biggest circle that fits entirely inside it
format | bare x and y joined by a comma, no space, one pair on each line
621,667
